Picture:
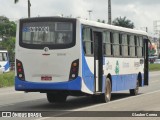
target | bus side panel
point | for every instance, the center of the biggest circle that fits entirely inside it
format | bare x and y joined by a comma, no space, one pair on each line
87,72
123,71
123,82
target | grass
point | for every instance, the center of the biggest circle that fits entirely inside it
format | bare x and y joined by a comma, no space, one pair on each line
7,79
154,67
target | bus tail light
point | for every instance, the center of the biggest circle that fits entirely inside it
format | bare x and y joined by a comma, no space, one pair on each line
20,71
74,70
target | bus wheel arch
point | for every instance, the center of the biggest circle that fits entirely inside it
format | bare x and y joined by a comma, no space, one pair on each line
110,77
138,84
139,77
106,96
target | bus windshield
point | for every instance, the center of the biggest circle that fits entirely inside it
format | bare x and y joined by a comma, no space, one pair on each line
3,56
47,34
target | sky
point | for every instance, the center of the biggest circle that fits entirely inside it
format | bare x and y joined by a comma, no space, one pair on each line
141,12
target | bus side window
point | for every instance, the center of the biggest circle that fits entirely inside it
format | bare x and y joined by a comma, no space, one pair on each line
5,56
140,47
1,57
136,44
125,45
132,46
116,44
111,41
87,41
139,53
120,44
128,43
107,43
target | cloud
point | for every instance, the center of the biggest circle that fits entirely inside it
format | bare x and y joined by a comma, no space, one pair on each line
140,2
141,12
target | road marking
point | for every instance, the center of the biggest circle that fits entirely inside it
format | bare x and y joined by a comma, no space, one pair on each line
80,109
153,74
43,118
155,81
15,92
97,105
7,105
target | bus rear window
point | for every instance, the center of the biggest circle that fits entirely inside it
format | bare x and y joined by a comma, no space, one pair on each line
47,34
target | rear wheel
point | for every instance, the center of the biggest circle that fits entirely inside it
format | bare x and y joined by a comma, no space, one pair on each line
136,90
106,97
56,98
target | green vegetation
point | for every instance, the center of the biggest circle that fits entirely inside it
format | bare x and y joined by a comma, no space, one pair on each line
123,22
154,67
7,79
7,35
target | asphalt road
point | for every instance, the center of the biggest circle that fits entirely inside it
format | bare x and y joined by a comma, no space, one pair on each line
147,100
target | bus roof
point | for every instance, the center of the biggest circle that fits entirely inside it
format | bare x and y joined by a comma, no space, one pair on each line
96,24
111,27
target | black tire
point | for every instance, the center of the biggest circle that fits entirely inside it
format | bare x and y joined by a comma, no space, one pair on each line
56,98
106,97
136,90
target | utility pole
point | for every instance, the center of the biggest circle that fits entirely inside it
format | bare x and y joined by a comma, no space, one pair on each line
89,11
29,9
146,28
109,12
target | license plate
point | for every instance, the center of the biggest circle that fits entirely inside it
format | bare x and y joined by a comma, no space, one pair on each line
46,78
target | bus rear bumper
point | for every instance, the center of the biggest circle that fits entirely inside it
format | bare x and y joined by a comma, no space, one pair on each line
21,85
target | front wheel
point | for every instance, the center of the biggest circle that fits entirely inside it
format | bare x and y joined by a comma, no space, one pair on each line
136,90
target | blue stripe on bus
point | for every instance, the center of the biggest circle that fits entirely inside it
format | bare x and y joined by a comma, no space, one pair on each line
6,66
26,85
87,75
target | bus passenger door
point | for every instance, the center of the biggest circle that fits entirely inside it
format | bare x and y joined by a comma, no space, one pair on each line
146,71
98,61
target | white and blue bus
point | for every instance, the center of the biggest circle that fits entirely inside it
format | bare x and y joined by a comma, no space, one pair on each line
67,56
4,61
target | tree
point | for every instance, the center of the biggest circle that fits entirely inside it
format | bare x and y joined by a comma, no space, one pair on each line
7,33
101,21
123,22
7,28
